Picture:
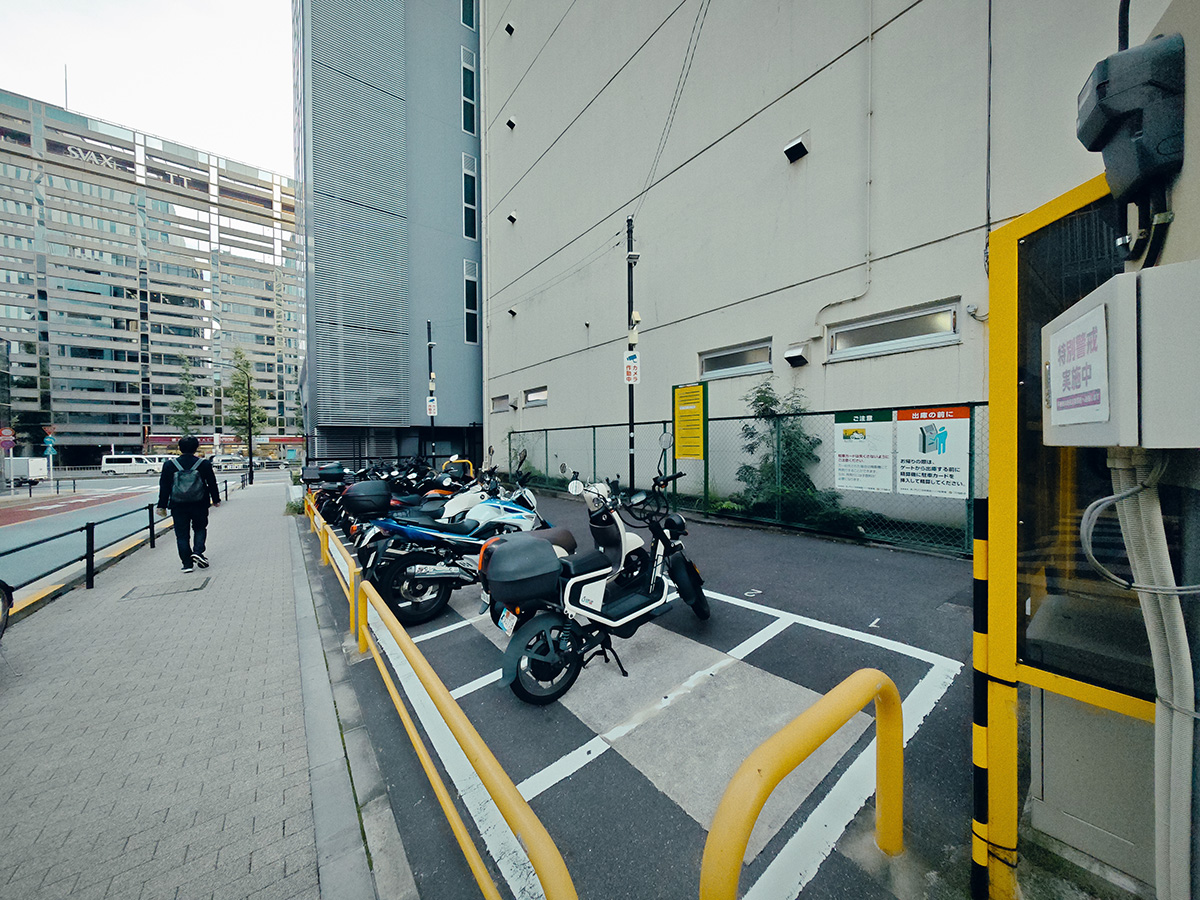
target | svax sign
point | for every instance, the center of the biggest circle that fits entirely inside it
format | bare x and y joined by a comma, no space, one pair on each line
99,159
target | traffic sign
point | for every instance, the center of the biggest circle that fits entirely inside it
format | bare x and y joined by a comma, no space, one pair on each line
431,406
7,432
49,429
50,451
49,440
7,443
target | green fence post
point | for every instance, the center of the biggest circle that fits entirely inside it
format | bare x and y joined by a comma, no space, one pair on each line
594,454
546,447
778,469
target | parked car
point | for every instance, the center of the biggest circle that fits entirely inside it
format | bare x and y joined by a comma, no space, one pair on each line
128,464
224,462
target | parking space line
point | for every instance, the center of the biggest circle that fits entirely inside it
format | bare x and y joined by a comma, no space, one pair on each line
457,625
564,767
796,864
752,643
927,656
483,681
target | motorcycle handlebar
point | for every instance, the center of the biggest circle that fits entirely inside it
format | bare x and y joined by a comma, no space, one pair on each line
664,480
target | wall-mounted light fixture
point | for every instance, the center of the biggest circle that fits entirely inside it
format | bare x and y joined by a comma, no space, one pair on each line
513,313
509,28
512,217
511,123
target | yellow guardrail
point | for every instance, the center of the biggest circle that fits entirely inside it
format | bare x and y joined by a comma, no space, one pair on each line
781,753
530,832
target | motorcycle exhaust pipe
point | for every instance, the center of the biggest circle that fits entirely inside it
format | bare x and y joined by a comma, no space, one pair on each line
440,573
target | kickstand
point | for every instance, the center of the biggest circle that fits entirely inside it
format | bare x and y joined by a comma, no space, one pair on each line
606,644
11,667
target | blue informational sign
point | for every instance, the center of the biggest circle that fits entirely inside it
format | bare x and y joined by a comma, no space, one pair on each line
50,451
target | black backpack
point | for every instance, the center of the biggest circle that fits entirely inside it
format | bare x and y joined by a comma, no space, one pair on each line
188,486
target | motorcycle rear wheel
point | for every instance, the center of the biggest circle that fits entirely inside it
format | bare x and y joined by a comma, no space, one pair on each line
549,663
413,600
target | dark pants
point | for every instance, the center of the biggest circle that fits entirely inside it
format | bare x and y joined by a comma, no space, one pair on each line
190,517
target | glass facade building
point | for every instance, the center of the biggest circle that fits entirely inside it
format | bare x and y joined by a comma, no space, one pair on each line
387,149
121,256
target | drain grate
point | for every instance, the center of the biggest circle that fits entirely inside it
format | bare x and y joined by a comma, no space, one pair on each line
162,589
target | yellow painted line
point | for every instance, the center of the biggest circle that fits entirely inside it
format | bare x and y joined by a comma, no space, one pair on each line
1102,698
37,595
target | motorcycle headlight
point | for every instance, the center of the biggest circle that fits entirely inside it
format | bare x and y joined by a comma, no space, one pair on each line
675,525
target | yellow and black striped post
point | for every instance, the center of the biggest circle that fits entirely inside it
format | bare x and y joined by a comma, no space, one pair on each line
979,811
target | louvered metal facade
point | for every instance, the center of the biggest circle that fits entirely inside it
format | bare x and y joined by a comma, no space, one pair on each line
384,247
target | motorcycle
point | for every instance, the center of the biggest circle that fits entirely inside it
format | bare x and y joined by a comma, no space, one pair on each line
416,564
560,612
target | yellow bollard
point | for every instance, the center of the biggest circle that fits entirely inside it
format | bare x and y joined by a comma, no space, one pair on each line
781,753
362,618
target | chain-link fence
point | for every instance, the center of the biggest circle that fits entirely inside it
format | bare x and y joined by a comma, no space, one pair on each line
782,470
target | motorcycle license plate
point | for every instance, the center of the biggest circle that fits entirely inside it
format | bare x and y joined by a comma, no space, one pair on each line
508,622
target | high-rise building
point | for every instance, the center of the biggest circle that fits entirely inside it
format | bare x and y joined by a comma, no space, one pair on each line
121,256
387,162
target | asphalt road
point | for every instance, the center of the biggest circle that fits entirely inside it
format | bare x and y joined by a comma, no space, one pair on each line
47,514
625,772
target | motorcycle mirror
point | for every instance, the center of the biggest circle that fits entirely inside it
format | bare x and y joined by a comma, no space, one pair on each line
575,487
666,440
562,468
454,458
491,452
639,497
521,457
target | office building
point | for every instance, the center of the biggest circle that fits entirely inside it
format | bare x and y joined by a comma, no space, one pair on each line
125,254
388,189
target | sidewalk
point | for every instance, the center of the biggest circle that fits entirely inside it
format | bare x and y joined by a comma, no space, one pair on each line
174,735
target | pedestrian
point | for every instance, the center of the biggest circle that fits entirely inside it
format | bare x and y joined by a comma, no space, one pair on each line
186,485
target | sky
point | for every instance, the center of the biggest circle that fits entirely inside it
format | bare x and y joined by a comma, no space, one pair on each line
211,74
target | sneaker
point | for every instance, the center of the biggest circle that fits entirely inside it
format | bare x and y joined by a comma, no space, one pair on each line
200,559
186,569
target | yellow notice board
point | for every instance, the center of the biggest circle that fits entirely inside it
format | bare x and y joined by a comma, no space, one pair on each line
690,406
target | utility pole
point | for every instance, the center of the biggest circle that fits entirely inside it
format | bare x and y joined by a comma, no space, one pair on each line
249,427
631,259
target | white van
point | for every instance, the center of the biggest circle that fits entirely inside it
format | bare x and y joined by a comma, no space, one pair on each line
226,461
129,465
160,460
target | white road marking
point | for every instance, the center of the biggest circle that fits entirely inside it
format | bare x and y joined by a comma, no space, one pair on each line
562,768
480,682
457,625
752,643
874,624
501,843
801,857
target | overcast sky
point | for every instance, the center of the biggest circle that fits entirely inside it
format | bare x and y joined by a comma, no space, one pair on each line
212,74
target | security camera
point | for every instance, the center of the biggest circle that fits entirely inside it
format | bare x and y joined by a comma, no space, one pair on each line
636,317
633,256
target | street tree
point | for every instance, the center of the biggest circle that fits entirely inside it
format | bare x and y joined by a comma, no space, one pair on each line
184,415
241,405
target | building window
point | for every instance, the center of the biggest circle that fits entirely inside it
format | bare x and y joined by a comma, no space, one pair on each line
538,396
500,404
468,13
744,359
930,326
470,198
471,301
468,91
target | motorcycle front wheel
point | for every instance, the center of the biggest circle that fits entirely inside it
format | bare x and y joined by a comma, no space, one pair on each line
413,600
550,661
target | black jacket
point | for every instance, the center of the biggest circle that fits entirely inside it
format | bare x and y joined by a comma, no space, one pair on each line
167,480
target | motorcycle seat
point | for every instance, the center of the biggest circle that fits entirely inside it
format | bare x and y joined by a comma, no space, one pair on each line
585,564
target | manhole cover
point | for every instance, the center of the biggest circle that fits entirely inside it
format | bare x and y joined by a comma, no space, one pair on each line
163,589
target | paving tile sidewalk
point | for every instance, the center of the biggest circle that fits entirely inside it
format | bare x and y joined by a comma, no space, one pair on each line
165,735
